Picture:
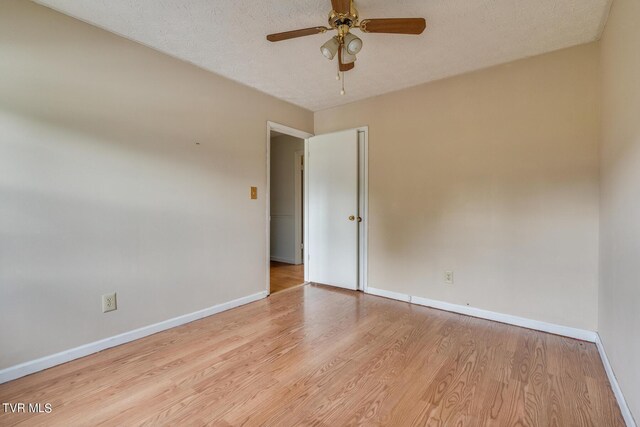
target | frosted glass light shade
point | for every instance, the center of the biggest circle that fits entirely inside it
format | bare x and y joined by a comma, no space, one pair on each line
352,43
330,48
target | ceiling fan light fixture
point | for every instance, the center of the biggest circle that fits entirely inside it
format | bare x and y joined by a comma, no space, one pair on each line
343,18
330,48
352,43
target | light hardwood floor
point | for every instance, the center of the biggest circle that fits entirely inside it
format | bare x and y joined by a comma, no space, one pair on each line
284,276
321,356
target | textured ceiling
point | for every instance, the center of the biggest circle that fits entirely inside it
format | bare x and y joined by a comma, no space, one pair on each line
228,38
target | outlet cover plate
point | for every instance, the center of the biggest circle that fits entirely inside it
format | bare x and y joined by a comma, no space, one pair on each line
448,277
109,302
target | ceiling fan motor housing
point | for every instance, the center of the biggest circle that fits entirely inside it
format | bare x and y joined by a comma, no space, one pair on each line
337,20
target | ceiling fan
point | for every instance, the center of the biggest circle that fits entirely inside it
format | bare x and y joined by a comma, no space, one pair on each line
345,45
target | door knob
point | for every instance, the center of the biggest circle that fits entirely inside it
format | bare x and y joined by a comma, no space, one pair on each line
359,219
352,218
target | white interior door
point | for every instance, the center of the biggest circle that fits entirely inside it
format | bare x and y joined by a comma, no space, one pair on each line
332,166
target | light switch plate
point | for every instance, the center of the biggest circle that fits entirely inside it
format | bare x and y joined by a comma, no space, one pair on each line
254,193
109,302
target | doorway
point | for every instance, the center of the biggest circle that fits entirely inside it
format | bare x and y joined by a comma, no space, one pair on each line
316,208
286,209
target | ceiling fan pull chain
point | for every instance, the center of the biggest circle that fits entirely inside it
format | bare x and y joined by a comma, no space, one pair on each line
342,91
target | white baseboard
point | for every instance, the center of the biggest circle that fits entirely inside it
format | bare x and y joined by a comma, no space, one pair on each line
388,294
617,392
566,331
581,334
26,368
285,260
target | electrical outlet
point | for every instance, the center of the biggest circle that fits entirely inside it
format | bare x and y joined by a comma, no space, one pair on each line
109,302
448,277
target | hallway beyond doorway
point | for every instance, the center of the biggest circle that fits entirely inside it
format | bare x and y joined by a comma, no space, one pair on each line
285,276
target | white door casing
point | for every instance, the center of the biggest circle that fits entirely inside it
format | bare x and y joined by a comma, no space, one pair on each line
298,201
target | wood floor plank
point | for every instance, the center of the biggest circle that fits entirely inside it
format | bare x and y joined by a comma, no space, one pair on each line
316,355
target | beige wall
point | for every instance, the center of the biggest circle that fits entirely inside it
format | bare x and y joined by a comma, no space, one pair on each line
103,188
283,209
493,175
619,314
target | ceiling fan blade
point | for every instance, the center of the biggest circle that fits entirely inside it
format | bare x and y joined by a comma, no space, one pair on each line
295,33
394,25
341,66
341,6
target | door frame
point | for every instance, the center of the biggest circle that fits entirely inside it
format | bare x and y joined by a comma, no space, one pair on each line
363,200
363,205
298,167
273,126
363,208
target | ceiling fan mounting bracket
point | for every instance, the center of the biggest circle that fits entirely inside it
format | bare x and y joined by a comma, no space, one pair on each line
338,20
